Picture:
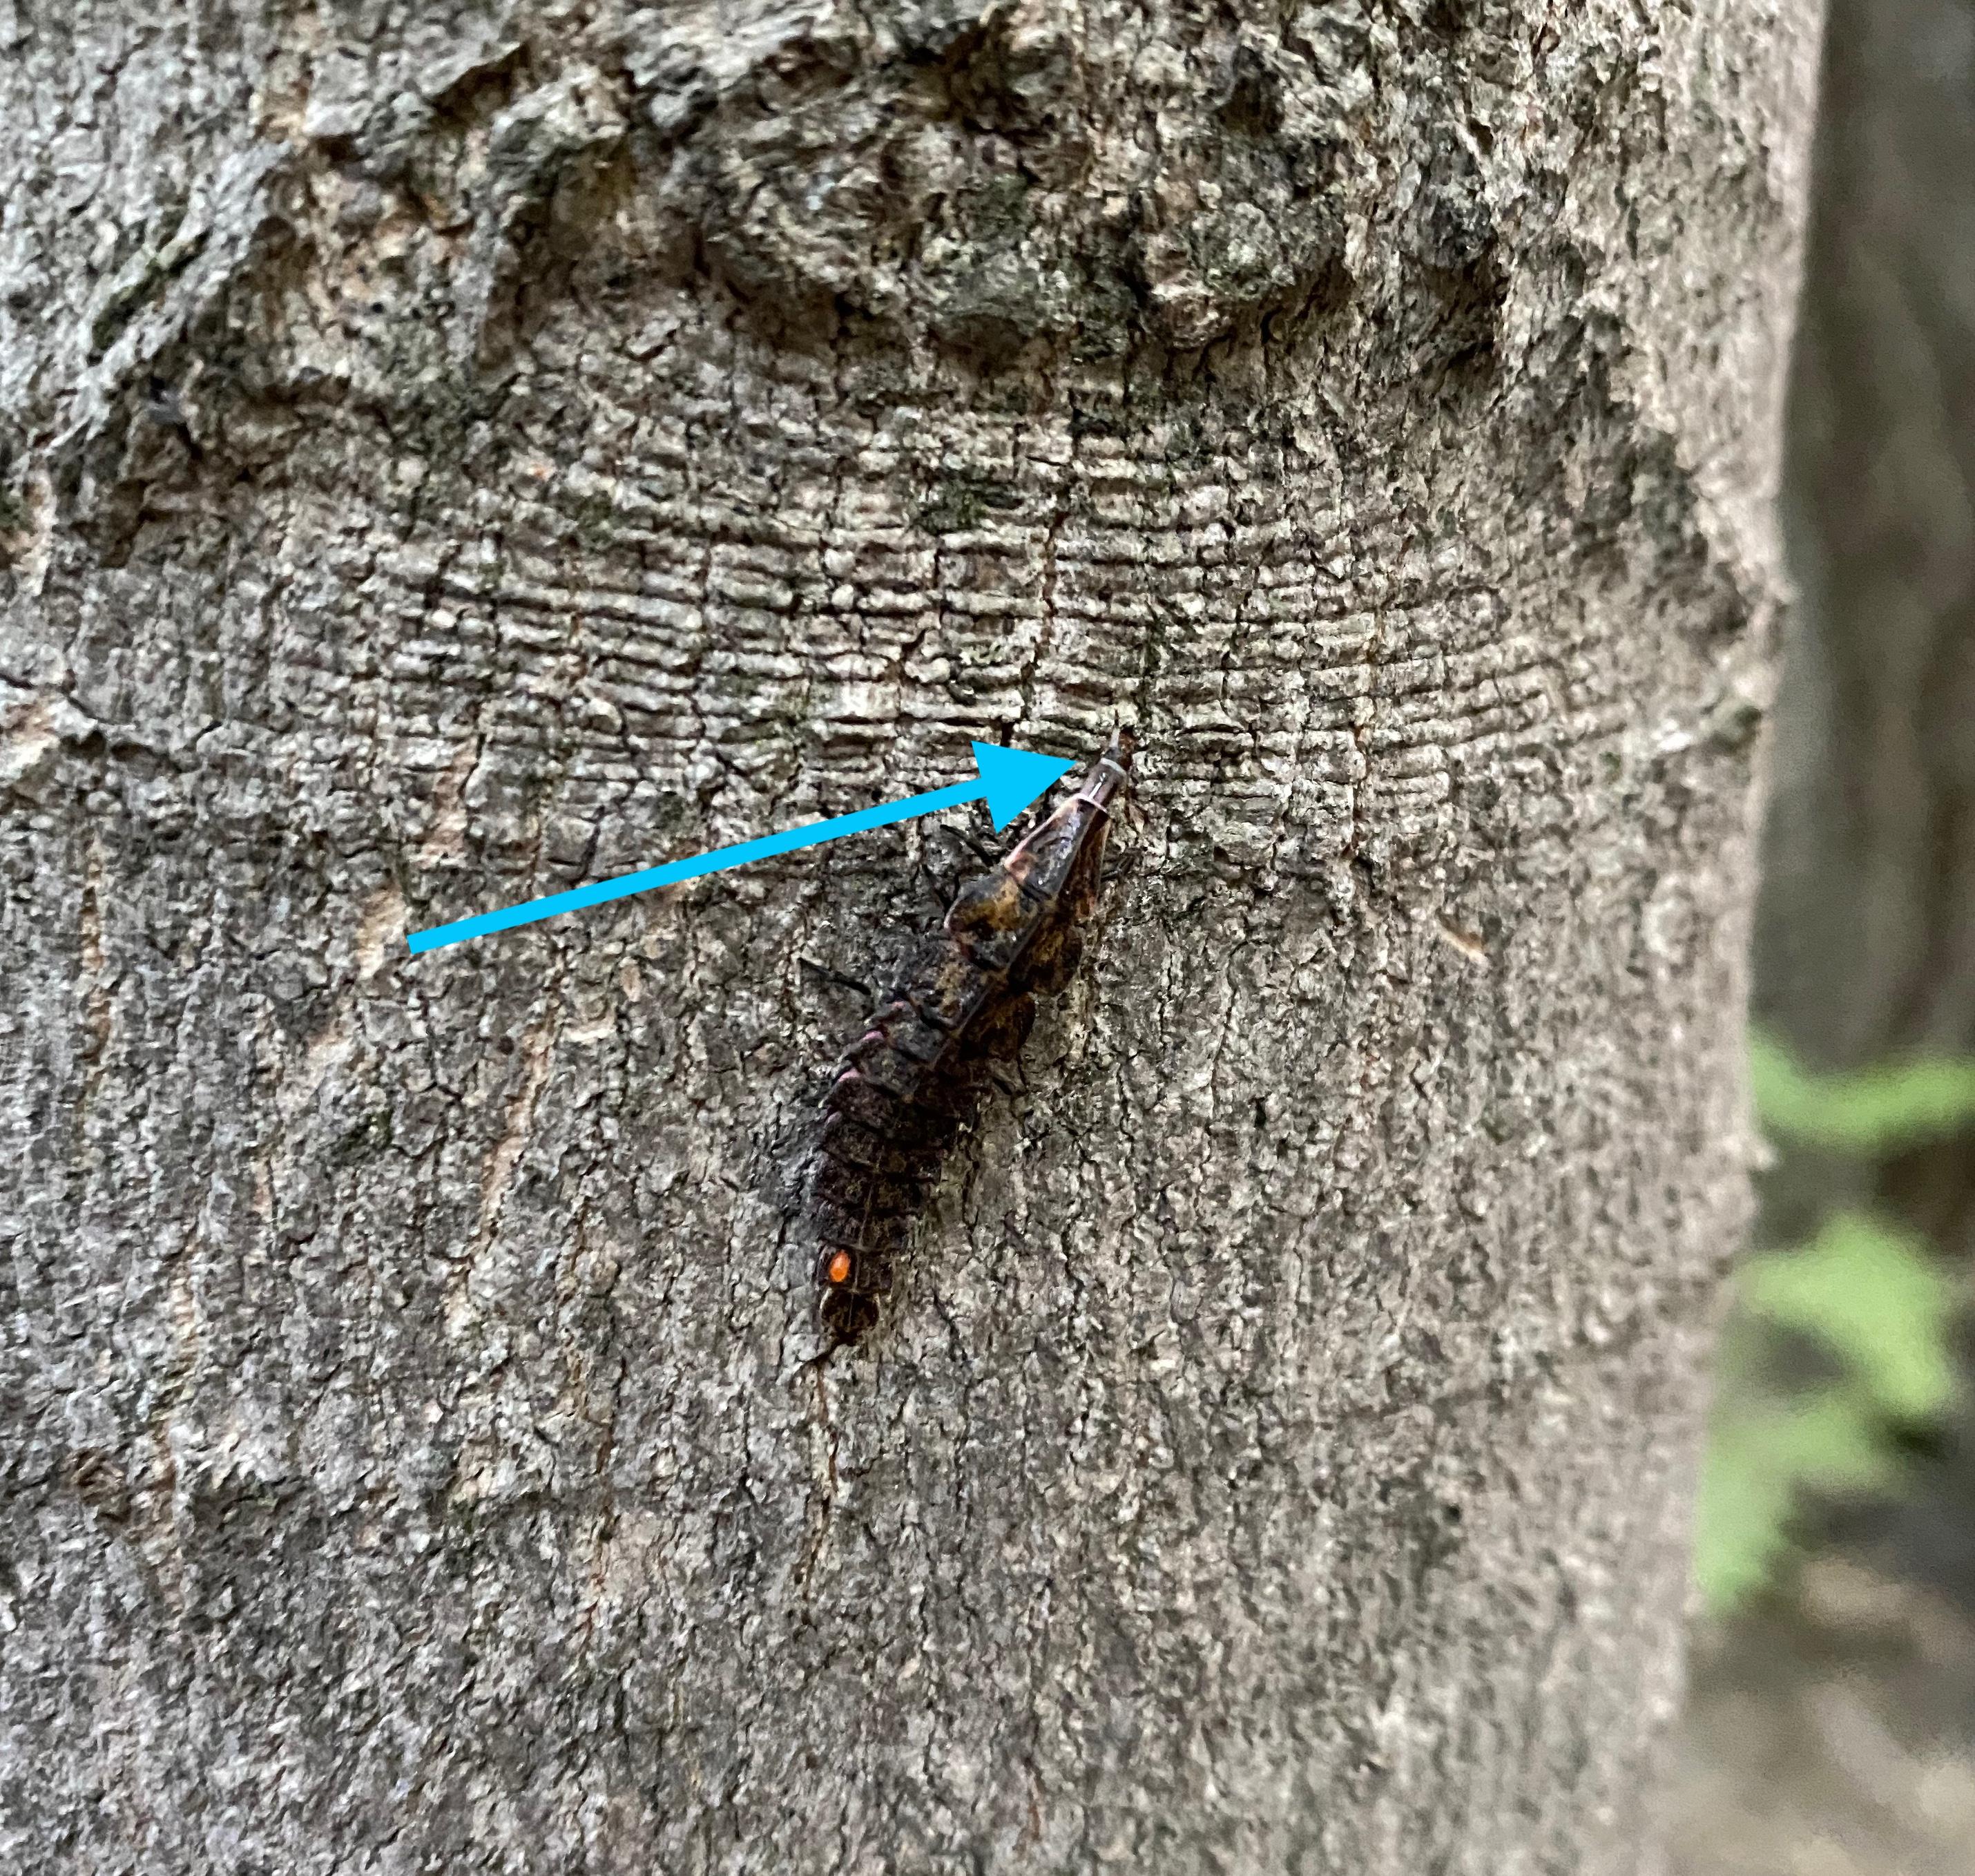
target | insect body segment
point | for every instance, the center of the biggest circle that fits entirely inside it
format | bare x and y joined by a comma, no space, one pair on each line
964,998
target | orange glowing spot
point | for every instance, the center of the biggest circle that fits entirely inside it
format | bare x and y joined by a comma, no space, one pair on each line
838,1269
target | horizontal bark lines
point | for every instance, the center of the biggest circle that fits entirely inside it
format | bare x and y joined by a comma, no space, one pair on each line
1277,1458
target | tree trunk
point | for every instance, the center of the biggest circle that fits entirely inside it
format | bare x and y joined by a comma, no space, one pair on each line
449,465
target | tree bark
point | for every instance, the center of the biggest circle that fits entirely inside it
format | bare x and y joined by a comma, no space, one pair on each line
446,463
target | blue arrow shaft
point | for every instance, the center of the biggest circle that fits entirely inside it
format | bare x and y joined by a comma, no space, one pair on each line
719,860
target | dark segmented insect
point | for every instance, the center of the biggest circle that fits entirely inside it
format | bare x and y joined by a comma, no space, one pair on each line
964,998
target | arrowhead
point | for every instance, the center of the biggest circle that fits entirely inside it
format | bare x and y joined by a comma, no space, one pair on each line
1012,778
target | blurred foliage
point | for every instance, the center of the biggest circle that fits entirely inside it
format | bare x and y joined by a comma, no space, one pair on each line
1871,1301
1874,1112
1865,1300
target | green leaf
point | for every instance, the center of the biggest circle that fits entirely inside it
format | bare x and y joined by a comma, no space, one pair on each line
1876,1111
1759,1458
1871,1294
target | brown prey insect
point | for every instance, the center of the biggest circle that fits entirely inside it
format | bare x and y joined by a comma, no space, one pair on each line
964,998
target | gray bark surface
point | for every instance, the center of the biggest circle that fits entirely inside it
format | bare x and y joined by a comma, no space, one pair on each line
448,461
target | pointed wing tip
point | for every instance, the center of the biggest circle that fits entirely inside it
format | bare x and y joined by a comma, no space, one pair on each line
1012,778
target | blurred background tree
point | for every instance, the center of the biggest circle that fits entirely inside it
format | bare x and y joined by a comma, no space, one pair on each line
1865,948
1833,1724
1866,934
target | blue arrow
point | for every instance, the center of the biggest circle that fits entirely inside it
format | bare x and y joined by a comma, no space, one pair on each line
1010,780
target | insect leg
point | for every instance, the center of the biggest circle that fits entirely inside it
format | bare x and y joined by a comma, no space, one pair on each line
1001,1029
988,861
837,976
1052,959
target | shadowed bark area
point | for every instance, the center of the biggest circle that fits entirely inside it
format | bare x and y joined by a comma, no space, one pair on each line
448,459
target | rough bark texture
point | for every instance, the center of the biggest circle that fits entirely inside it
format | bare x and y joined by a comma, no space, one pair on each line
448,462
1867,931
